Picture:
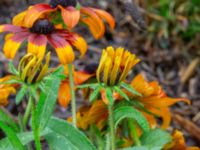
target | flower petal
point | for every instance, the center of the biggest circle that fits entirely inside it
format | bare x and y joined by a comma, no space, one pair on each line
90,18
13,43
105,16
37,45
63,49
80,44
18,20
70,16
35,12
11,28
64,94
80,77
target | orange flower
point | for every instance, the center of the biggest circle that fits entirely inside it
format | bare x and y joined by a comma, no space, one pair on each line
155,100
72,13
178,142
64,91
38,35
5,90
95,114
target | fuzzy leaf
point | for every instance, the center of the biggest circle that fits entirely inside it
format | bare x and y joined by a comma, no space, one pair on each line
130,89
117,89
21,94
11,68
91,85
94,94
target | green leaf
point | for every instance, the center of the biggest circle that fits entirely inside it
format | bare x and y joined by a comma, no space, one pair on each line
143,148
130,89
130,112
21,94
65,136
47,101
25,138
117,89
11,68
8,120
155,138
94,94
91,85
109,95
14,140
59,72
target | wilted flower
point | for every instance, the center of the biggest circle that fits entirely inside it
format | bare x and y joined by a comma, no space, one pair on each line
178,142
38,35
31,69
154,100
6,90
71,13
115,65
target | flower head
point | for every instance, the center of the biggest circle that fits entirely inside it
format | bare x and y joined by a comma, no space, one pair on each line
115,65
41,33
70,13
5,90
31,69
154,100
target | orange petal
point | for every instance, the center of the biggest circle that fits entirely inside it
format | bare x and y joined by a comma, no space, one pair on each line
80,44
70,16
64,94
105,16
90,18
18,20
80,77
35,12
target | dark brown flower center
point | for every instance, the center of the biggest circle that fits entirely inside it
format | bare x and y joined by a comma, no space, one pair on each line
64,3
42,26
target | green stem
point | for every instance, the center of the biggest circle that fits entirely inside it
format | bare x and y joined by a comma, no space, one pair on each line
35,127
27,112
72,92
134,132
112,127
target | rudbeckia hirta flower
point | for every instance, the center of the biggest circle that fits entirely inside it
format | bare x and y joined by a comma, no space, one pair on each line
5,90
64,95
41,33
71,12
154,100
115,65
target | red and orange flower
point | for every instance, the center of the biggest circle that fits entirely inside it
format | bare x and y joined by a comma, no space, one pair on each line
38,35
71,12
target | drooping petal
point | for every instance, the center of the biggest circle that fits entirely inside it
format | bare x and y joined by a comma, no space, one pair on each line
64,94
63,48
11,28
95,24
18,20
35,12
13,43
105,16
80,44
80,77
70,16
37,44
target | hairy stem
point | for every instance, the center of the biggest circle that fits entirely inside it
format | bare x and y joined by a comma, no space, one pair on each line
27,113
134,134
112,127
72,92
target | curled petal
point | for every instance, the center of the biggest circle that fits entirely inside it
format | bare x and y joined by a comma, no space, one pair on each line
63,49
70,16
80,44
81,77
105,16
64,94
13,43
35,12
37,45
18,20
90,18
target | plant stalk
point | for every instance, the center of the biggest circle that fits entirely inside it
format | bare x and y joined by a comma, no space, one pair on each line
27,113
72,93
134,134
111,125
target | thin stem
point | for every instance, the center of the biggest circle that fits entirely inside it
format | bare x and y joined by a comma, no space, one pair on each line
134,134
112,127
72,92
27,113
